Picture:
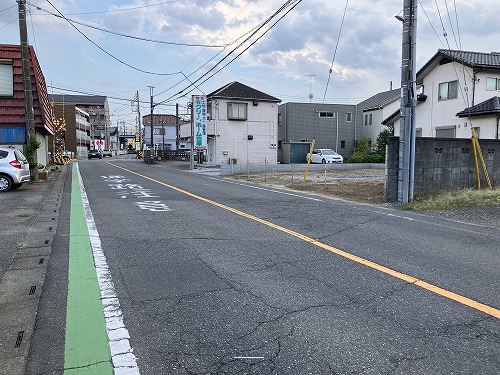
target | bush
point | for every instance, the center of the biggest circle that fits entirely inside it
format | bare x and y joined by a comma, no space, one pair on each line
366,158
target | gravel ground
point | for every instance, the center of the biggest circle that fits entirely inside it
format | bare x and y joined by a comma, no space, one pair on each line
365,186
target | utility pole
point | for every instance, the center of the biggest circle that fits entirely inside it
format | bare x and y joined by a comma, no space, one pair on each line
28,94
408,104
177,125
151,122
139,120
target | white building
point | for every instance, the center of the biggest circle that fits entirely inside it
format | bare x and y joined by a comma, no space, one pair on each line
241,126
458,90
376,109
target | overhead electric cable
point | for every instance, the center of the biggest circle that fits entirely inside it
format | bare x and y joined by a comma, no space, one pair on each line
458,27
109,54
131,36
218,53
451,23
124,9
286,5
430,23
335,52
7,24
3,10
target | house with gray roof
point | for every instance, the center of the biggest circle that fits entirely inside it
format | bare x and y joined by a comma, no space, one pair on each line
457,93
376,109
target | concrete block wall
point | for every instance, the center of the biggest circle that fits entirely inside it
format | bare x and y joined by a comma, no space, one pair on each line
443,164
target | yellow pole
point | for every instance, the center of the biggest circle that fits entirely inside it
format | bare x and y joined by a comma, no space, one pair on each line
476,166
308,161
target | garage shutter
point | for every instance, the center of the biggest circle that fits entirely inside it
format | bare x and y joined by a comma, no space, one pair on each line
445,132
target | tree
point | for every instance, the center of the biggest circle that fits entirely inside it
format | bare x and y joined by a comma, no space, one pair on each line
381,141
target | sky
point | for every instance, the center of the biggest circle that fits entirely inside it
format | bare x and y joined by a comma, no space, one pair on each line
118,48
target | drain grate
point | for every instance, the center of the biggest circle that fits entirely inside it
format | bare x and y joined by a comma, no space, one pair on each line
32,290
19,339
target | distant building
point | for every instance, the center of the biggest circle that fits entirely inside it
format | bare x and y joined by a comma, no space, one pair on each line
241,127
77,138
97,108
334,126
12,103
375,110
164,132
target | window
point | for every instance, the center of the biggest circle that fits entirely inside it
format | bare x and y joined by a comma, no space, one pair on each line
448,90
326,114
342,144
236,111
492,84
6,78
366,120
348,117
371,118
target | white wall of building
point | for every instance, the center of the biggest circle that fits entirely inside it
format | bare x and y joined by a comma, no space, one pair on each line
230,140
434,113
373,129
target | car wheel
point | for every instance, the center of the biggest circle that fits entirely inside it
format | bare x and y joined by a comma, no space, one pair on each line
5,183
323,161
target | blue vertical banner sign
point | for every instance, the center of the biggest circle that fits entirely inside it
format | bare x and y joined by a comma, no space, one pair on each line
200,122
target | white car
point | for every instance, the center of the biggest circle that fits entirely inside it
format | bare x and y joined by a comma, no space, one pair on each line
14,169
324,156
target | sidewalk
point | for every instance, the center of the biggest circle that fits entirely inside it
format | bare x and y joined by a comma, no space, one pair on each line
29,218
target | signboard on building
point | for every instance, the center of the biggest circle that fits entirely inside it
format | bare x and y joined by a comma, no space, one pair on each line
200,122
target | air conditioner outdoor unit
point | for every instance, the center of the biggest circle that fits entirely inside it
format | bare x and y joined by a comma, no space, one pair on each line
233,161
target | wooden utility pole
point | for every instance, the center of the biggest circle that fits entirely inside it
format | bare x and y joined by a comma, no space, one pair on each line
28,93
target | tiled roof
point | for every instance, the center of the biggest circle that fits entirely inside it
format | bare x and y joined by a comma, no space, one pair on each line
12,109
381,100
490,106
476,60
79,99
473,59
237,90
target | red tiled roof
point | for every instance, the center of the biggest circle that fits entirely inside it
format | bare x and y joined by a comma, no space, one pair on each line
12,111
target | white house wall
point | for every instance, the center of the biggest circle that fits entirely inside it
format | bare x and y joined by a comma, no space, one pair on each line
231,137
378,115
434,113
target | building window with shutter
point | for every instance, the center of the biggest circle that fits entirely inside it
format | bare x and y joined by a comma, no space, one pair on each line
6,78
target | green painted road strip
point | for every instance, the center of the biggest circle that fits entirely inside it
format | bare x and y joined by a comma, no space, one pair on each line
86,348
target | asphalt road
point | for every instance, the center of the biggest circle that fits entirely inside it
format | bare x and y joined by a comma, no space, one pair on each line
222,277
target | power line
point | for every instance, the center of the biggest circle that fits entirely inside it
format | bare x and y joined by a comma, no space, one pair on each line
458,27
130,36
287,4
335,52
124,9
451,23
430,23
107,53
215,56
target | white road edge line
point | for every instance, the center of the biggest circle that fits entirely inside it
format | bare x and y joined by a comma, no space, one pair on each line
124,360
265,189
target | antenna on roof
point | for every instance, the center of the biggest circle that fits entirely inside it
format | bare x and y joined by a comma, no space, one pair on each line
310,85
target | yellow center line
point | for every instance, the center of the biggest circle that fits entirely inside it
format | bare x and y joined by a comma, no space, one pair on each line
410,279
